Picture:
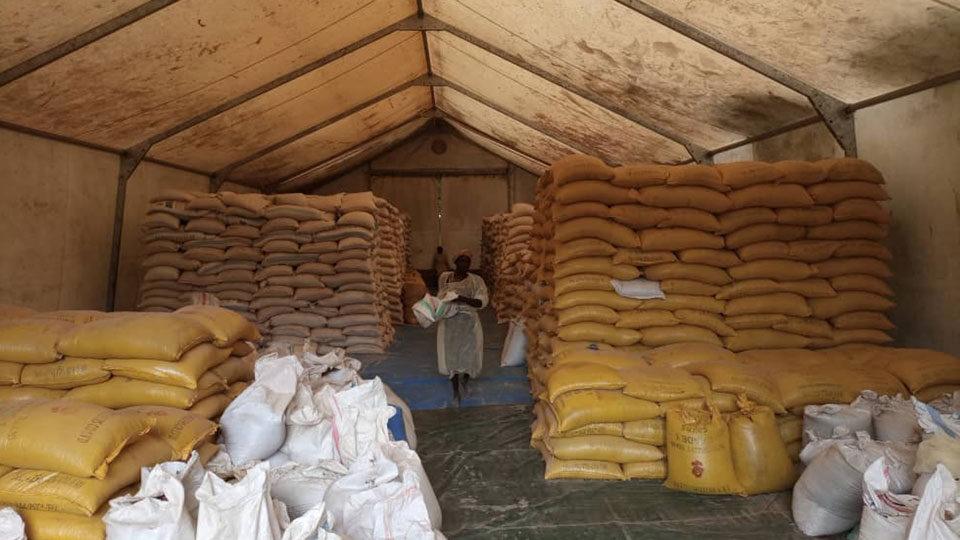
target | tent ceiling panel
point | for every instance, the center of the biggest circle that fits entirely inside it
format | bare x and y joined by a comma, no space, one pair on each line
306,101
851,49
336,138
354,156
499,126
546,105
30,27
499,149
183,60
653,71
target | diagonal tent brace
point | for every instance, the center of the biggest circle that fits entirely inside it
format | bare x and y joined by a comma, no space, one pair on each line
129,161
457,124
835,113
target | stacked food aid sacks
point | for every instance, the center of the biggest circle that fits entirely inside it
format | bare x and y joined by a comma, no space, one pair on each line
391,251
513,259
488,250
414,289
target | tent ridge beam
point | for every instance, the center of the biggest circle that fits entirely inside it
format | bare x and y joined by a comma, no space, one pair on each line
433,24
835,113
78,42
273,186
453,122
408,24
224,172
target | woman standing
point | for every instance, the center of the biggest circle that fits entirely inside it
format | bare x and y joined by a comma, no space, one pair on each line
460,337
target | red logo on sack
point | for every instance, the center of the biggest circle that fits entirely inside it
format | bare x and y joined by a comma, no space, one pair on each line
696,468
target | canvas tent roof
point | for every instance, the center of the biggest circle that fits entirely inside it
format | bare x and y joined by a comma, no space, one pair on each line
280,93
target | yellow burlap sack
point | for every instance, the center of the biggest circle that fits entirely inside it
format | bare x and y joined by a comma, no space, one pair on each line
762,232
861,283
609,299
853,265
678,238
559,347
770,196
741,174
577,409
810,251
566,212
857,379
763,338
637,257
683,197
583,247
704,319
682,354
582,282
21,393
549,426
719,258
592,191
120,392
847,168
578,314
42,525
760,457
695,174
863,248
799,387
643,319
778,269
75,438
236,368
699,457
640,175
212,406
59,492
809,327
206,452
604,333
227,326
790,427
607,357
31,340
638,216
10,373
809,288
236,389
608,231
647,470
749,287
184,372
580,469
808,217
659,384
688,286
853,336
848,301
787,358
834,192
734,378
651,431
694,272
862,320
596,265
154,336
737,219
922,368
773,249
682,333
782,303
674,302
571,377
754,320
861,209
691,218
848,230
579,167
601,448
182,430
64,374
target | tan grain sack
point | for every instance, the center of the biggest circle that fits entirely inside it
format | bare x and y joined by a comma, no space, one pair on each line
782,303
862,320
120,392
834,192
742,174
763,232
597,298
848,301
720,258
814,215
592,191
734,378
699,458
694,272
695,174
31,341
754,320
682,354
677,238
638,257
762,338
684,301
602,448
861,209
580,469
687,286
180,429
853,265
63,374
157,336
683,197
760,456
646,470
704,319
778,269
862,283
578,409
640,175
738,219
184,373
587,313
567,212
596,265
647,318
690,218
579,167
584,247
589,331
863,248
610,232
770,196
804,326
683,333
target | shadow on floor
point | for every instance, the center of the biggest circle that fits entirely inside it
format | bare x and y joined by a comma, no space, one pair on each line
490,485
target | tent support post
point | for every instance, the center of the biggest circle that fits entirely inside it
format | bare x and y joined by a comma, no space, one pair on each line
129,161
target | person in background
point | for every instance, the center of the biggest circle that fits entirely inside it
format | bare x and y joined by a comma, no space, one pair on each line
441,264
460,337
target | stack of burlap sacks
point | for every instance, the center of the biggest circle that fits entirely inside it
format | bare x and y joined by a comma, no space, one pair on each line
513,265
492,237
303,267
749,256
198,358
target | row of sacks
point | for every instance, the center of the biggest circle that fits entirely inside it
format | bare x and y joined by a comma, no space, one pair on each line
508,239
196,358
391,253
610,408
764,272
61,461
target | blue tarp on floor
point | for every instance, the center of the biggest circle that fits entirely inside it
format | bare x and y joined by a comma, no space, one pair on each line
410,369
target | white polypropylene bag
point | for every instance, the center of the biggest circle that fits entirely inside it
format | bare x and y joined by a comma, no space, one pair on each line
155,512
886,515
310,437
11,525
378,499
514,346
824,421
895,419
312,525
240,511
358,418
302,487
408,461
190,473
640,289
252,425
938,514
431,309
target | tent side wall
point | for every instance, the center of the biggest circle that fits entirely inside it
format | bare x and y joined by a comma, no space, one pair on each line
913,141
